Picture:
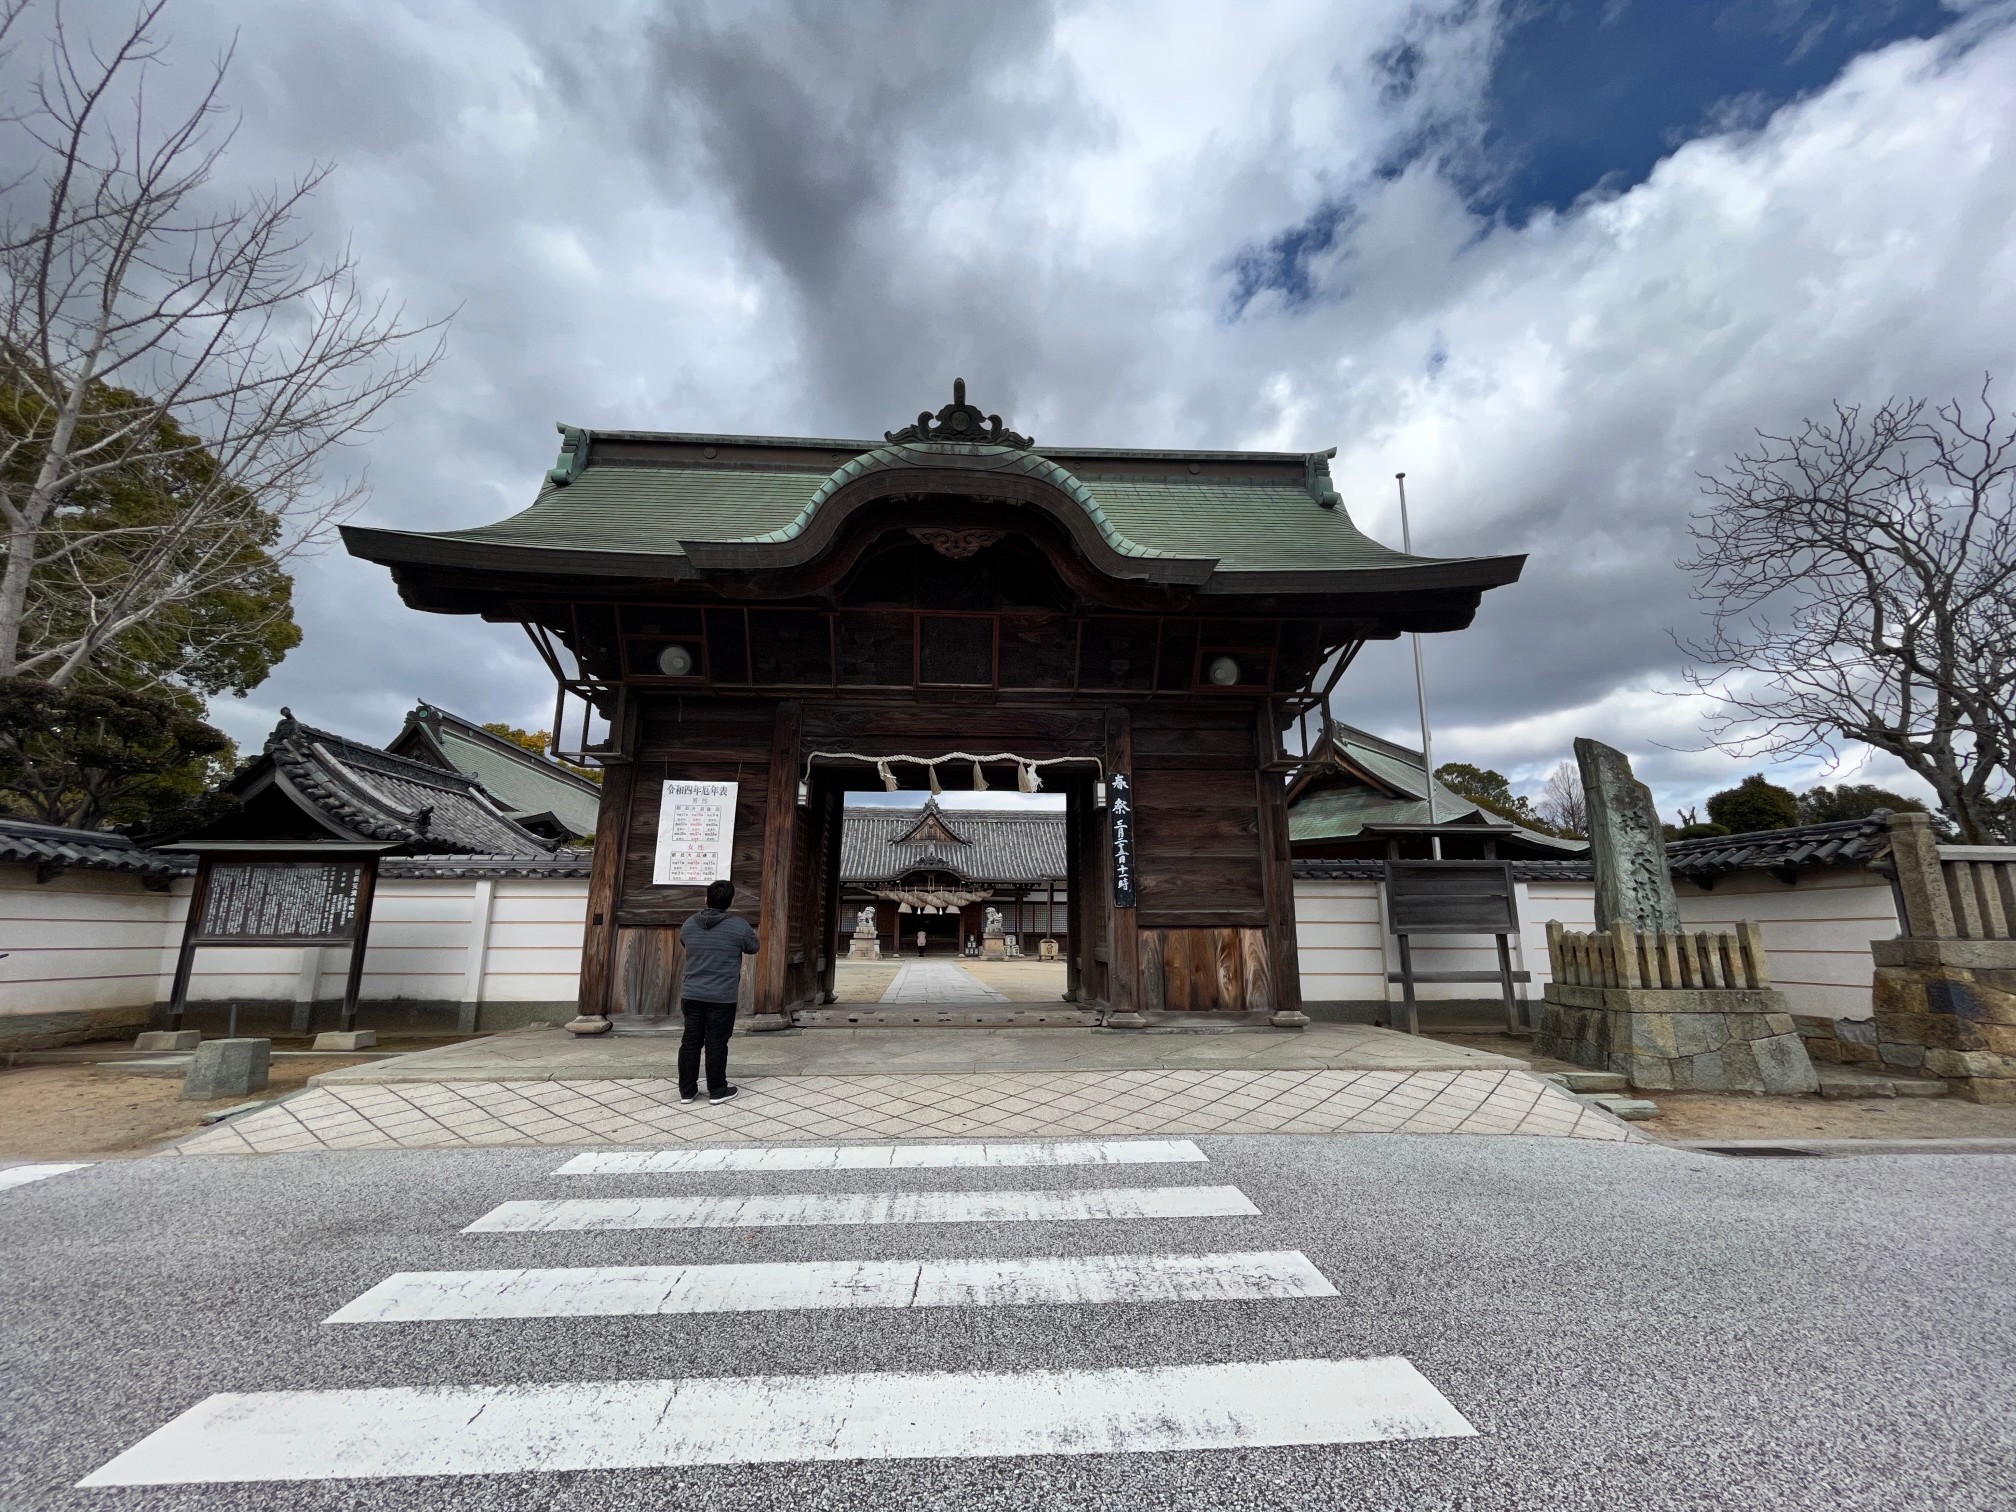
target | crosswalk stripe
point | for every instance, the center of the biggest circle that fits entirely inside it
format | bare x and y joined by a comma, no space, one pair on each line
803,1208
642,1290
21,1175
888,1157
606,1425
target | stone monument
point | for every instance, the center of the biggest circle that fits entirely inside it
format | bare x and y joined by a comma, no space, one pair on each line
866,944
1641,996
1626,844
993,942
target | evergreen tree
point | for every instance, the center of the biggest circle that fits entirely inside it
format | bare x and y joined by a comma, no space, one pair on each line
1755,803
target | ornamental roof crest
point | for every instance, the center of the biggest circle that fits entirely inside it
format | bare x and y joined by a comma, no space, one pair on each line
960,422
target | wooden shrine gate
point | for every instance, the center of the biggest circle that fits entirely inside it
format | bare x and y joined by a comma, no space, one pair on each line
1153,620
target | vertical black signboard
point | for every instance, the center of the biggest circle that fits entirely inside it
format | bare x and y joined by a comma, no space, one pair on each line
1120,808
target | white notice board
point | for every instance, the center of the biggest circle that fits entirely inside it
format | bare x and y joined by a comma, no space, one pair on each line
696,834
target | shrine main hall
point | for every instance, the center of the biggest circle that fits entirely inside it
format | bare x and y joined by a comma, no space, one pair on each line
744,629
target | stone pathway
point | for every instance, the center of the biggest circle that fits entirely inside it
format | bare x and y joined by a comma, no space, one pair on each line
434,1115
548,1054
939,982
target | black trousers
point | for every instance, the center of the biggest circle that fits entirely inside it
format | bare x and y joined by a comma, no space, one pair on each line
708,1026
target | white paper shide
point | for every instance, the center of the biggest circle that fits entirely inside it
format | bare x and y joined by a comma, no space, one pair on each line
696,834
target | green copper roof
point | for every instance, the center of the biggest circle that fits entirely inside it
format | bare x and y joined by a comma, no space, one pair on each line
1339,807
679,505
522,785
1244,524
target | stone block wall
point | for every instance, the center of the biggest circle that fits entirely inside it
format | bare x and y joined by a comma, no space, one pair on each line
1838,1042
1660,1039
1948,1008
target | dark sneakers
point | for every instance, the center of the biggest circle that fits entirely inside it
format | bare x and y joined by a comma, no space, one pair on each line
726,1094
693,1096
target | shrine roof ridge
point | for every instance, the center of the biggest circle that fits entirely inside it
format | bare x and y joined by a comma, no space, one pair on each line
855,446
683,505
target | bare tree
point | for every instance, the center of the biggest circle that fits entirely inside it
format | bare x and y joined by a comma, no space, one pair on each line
148,320
1562,802
1861,583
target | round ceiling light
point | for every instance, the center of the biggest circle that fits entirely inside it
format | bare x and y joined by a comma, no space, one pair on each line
676,661
1223,671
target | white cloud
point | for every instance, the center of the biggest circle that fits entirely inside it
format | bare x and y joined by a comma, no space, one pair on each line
621,207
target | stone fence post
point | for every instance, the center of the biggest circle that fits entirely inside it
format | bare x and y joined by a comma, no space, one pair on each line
1921,885
1944,997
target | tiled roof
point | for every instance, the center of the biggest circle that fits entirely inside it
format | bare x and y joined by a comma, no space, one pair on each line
648,494
569,862
524,783
1848,842
1000,845
1245,524
1844,842
1367,869
1337,804
92,850
361,790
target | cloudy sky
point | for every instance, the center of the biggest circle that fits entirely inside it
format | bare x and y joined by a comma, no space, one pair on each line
1553,258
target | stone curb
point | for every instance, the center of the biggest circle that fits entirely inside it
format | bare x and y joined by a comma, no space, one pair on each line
1976,1145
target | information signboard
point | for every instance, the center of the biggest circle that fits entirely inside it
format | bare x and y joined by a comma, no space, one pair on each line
284,902
696,834
1120,806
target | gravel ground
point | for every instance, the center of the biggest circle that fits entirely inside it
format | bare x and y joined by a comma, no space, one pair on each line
84,1113
1626,1326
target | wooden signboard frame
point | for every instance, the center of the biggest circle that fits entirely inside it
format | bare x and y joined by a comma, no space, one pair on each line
262,856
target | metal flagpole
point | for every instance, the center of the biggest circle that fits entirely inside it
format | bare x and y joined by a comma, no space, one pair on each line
1420,682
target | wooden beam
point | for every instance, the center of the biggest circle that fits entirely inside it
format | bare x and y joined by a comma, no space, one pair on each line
834,835
185,958
1278,876
605,872
360,932
1123,952
780,818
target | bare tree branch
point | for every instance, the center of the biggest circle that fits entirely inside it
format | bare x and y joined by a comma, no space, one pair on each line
1562,802
147,320
1861,583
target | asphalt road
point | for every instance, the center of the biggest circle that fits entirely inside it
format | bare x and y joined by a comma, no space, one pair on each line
1624,1326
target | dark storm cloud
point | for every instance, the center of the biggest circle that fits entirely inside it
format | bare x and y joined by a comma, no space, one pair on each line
807,218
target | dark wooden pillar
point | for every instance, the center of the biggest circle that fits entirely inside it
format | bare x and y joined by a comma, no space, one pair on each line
780,821
1123,959
1278,882
185,958
829,910
605,880
360,934
1078,939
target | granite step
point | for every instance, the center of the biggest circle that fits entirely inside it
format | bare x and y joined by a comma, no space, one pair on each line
1589,1081
1845,1083
1631,1109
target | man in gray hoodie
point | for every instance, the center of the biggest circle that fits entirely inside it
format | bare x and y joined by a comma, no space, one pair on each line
715,942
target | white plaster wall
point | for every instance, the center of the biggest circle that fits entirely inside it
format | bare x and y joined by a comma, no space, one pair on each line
96,940
83,941
1345,952
88,941
511,940
1816,931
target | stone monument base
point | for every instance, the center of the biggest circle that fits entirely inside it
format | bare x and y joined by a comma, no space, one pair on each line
1948,1007
865,948
1679,1039
994,948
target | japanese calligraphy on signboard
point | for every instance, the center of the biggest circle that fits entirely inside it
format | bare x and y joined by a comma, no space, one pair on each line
1120,809
291,901
696,834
